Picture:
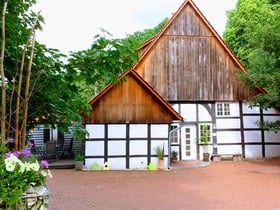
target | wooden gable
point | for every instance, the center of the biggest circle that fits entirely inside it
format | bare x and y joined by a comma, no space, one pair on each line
188,61
130,101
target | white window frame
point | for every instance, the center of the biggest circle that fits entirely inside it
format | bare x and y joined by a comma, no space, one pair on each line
175,133
223,109
208,131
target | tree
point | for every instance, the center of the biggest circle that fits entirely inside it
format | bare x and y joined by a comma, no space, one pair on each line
3,85
49,94
252,32
107,58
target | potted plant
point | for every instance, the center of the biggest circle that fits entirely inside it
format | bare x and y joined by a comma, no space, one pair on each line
23,179
160,154
79,161
174,157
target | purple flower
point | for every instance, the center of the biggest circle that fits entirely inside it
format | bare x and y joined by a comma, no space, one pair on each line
25,152
45,163
11,140
30,144
16,153
8,154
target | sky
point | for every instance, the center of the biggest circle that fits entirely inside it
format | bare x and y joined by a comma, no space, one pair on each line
70,25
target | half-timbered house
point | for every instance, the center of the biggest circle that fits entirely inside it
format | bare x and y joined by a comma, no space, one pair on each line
185,81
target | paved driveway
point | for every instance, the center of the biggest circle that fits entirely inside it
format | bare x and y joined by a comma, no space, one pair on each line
242,185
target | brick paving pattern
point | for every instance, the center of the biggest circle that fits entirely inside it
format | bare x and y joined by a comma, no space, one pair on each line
246,185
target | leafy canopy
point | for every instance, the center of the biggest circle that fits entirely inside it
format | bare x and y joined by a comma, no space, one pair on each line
252,32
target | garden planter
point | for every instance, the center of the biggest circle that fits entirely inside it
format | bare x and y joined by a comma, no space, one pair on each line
206,157
79,165
161,165
35,198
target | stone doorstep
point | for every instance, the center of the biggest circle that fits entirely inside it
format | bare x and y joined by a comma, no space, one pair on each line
226,157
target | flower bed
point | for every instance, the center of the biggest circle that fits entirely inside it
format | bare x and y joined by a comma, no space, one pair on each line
22,180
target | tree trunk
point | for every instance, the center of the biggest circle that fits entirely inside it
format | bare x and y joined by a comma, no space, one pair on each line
3,82
26,95
18,140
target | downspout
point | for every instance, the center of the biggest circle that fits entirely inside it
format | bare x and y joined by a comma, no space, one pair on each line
181,124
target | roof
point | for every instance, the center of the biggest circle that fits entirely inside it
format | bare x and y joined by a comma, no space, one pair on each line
147,96
149,44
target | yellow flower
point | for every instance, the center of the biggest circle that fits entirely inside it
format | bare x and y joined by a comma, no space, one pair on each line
106,166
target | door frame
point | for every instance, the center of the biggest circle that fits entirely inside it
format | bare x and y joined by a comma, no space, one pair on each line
192,140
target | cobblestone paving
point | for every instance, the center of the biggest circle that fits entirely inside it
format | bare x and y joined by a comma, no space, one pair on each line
227,185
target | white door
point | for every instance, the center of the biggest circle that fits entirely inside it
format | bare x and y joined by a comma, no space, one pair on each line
188,142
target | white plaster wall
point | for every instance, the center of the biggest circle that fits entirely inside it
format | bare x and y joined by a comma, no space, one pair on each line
117,131
250,121
271,136
138,130
117,163
228,137
252,136
159,131
247,110
117,144
272,151
188,112
95,131
271,118
253,151
94,148
138,147
138,163
116,148
229,149
234,110
227,123
203,114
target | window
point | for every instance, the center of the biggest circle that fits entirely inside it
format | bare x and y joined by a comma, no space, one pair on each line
174,135
205,132
223,109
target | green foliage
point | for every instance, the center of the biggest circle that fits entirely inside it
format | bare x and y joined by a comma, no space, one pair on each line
79,157
152,167
95,166
55,97
174,154
253,34
18,171
59,91
106,59
103,62
142,36
160,152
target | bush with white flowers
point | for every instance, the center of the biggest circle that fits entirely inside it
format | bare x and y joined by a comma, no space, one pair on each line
18,171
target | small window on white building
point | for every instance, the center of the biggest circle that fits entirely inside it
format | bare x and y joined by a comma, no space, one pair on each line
223,109
205,131
174,134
